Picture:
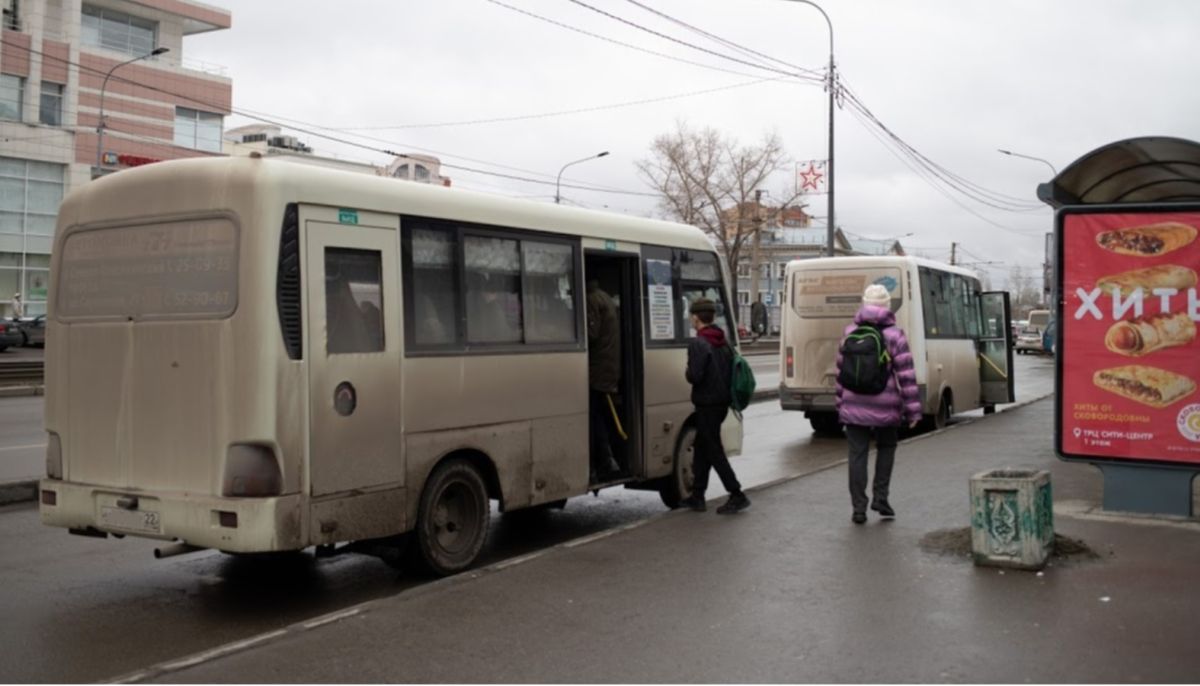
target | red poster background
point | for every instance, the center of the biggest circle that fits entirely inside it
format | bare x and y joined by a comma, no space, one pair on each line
1096,422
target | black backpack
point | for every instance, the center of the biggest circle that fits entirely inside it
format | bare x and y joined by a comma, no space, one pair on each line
866,364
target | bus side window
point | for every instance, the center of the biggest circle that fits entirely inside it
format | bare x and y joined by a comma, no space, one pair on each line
549,293
493,290
434,285
930,295
353,301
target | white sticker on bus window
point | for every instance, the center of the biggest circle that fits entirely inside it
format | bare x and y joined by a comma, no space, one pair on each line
659,294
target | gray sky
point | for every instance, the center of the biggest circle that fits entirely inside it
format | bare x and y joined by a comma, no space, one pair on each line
956,79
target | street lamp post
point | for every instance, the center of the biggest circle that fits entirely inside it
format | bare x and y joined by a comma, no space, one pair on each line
832,99
558,182
1029,157
100,126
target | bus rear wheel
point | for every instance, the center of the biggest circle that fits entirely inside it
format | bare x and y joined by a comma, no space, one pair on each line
679,484
452,522
941,417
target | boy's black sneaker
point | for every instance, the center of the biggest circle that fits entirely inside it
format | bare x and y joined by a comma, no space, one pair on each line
694,503
882,507
736,503
859,518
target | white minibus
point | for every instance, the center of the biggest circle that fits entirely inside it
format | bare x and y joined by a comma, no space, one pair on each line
256,356
959,336
1039,319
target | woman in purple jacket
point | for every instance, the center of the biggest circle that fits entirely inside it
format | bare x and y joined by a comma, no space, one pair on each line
882,414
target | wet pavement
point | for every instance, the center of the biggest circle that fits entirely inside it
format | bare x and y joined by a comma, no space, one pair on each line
788,591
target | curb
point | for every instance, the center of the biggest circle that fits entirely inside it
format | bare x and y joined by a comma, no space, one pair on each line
21,391
18,491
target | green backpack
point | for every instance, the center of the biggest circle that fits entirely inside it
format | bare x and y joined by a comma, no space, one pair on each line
741,382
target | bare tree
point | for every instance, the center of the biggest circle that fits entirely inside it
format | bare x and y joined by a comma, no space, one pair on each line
1023,294
708,180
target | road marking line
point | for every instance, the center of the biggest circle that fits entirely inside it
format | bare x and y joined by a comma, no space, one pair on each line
226,649
331,618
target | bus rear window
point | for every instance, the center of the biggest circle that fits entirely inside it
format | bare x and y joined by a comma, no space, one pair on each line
837,293
181,269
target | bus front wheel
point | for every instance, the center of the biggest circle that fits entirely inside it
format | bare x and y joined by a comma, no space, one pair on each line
679,484
452,522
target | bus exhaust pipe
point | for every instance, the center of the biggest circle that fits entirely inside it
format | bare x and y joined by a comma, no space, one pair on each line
173,549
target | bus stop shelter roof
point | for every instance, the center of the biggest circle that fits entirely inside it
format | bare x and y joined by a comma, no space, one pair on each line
1138,170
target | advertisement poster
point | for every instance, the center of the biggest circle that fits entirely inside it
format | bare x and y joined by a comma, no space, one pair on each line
1130,360
661,299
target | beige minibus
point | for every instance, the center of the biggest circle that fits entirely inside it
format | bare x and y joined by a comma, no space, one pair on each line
959,335
253,356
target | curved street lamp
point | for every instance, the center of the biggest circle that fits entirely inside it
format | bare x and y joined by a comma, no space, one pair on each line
832,98
1029,157
100,126
558,182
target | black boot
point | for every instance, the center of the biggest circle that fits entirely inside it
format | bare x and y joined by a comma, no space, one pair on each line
694,503
881,506
736,503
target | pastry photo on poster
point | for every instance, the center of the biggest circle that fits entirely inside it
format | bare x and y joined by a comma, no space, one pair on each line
1129,359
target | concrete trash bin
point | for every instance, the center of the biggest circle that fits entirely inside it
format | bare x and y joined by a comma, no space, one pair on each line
1012,518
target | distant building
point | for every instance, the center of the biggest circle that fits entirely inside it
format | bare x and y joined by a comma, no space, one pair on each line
269,141
872,246
421,168
55,56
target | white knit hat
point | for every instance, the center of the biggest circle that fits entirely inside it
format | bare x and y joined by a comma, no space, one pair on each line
877,295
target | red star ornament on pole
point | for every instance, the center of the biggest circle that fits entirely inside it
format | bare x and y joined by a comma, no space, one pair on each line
810,178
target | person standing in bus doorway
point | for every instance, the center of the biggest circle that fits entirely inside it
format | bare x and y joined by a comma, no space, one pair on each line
604,375
709,371
876,393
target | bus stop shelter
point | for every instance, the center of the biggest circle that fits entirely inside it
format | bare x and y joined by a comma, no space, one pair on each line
1140,189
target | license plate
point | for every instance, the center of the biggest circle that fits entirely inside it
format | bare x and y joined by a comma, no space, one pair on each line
141,521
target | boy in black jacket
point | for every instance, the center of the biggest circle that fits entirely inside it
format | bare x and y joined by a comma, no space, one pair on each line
709,367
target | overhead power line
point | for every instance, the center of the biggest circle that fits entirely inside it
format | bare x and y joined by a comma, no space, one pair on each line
727,43
630,46
560,113
672,39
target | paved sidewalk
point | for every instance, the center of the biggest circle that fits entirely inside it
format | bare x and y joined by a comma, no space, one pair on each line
788,591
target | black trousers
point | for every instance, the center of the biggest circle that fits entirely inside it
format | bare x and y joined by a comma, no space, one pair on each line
709,453
859,440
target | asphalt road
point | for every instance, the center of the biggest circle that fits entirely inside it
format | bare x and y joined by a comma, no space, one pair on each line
79,609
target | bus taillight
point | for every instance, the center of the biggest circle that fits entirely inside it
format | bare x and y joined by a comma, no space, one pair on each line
251,471
54,464
791,363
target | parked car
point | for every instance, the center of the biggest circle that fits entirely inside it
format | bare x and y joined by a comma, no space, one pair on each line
1030,340
1017,327
10,335
33,331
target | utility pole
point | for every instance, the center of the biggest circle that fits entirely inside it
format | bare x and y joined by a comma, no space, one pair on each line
953,253
755,255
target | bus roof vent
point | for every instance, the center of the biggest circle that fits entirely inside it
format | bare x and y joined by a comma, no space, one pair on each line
287,285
